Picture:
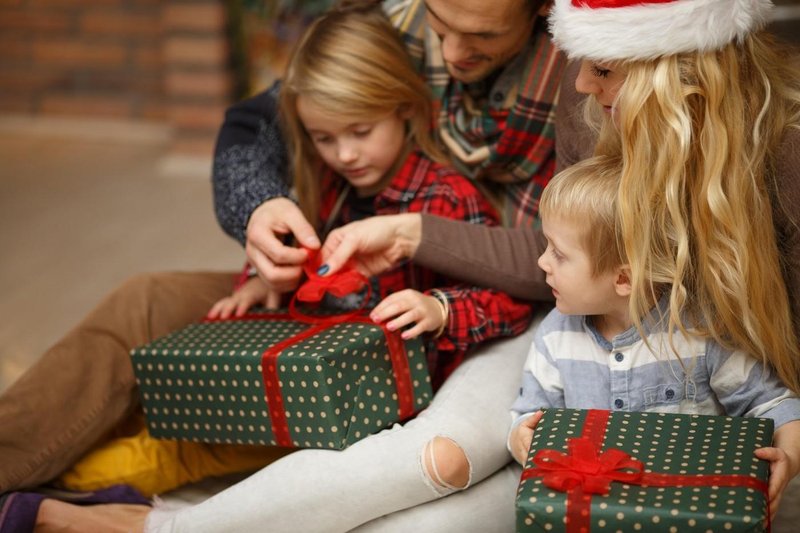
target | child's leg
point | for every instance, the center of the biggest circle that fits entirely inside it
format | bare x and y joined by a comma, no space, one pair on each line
83,387
329,491
154,466
486,507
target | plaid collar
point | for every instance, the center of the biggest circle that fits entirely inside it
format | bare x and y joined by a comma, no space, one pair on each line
509,139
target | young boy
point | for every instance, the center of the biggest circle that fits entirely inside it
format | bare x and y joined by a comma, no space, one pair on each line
589,353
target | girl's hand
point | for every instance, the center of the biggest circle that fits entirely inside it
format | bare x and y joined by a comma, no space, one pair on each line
252,291
521,437
409,307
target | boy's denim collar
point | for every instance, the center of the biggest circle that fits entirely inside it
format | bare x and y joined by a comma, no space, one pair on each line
655,320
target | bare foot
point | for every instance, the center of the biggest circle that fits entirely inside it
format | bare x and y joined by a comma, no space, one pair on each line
59,517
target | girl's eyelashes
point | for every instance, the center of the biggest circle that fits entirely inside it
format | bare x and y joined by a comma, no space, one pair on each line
600,72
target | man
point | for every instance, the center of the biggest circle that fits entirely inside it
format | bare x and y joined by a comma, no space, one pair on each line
494,75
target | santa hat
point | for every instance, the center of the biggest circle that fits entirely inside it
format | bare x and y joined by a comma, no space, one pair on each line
607,30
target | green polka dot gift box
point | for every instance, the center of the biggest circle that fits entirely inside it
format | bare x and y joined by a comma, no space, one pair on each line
595,470
271,379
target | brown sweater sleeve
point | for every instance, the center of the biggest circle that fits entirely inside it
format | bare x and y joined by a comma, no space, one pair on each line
505,258
496,257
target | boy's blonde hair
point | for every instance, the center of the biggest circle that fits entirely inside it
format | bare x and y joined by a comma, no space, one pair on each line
698,134
585,194
352,62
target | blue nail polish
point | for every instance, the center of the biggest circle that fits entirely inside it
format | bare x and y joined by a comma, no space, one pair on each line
321,271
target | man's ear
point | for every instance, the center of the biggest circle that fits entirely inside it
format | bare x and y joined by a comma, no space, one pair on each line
544,9
622,283
405,112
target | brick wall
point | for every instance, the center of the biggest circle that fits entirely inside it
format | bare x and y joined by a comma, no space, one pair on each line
146,60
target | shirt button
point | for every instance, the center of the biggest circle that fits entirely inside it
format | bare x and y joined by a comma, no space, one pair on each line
619,357
618,403
498,97
670,394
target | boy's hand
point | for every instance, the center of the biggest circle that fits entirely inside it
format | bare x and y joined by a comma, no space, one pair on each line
780,473
522,435
784,461
409,307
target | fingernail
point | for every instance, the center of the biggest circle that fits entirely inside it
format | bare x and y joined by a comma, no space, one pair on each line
321,271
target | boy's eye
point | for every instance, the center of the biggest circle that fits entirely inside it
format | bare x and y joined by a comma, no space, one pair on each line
362,132
321,139
600,72
557,255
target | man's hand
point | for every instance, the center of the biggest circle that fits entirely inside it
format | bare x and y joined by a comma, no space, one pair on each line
280,266
521,437
375,244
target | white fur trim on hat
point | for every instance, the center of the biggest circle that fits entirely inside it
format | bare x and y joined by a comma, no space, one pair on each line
608,30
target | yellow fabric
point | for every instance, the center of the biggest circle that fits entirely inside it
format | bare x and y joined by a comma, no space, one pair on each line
156,466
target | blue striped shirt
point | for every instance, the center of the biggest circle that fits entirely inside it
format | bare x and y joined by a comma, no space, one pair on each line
571,365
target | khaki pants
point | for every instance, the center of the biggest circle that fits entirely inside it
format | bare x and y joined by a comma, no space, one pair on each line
82,390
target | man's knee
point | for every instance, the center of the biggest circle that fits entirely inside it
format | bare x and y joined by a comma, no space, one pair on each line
446,464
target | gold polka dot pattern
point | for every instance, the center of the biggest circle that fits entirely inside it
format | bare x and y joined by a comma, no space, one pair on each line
668,444
204,383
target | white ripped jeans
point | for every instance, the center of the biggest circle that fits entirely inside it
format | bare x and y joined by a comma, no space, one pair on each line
380,483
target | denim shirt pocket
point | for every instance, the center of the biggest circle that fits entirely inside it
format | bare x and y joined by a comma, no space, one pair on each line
664,394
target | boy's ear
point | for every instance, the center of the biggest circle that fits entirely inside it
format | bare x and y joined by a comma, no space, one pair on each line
622,284
545,8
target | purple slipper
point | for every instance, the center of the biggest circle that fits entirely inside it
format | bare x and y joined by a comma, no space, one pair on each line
18,510
112,494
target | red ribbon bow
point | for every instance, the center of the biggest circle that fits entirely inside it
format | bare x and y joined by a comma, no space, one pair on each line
582,472
339,284
582,466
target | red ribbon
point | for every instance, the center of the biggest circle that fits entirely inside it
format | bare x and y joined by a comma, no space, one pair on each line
346,281
339,284
582,471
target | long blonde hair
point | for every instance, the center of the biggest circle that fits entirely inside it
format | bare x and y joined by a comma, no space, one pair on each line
698,134
351,61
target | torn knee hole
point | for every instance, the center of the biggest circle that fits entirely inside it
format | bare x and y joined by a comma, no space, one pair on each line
446,464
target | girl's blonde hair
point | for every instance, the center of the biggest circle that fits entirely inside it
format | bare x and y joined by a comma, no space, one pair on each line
585,194
352,62
698,134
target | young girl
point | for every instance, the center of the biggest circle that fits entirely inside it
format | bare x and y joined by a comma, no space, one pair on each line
590,352
358,122
359,132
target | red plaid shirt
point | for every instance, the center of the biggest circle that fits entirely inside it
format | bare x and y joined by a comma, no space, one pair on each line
476,314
